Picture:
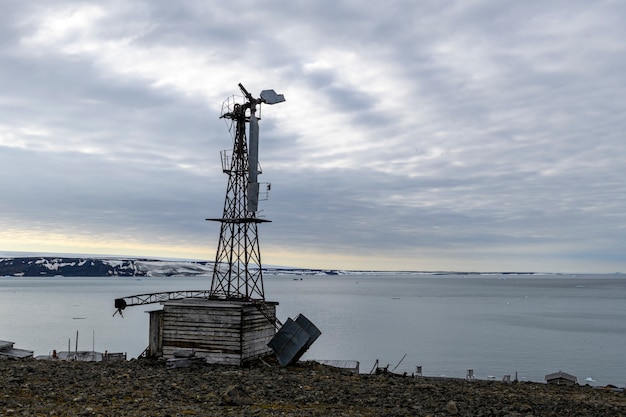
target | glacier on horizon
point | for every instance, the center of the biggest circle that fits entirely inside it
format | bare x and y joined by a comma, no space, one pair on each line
78,266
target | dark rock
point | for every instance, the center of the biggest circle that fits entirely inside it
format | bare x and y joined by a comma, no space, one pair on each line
236,395
451,408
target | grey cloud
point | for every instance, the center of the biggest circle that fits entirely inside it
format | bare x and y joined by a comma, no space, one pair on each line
510,137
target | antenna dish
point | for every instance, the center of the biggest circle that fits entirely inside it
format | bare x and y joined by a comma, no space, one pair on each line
270,97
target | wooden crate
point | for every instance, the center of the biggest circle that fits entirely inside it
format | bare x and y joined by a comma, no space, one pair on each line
225,332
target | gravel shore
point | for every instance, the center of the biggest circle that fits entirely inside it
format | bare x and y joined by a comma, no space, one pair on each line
148,388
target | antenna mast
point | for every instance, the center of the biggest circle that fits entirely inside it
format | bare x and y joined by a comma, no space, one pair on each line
237,272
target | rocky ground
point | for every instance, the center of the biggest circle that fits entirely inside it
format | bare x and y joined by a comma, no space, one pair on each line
148,388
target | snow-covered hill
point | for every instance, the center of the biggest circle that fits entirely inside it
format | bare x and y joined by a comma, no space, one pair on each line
91,266
37,266
95,267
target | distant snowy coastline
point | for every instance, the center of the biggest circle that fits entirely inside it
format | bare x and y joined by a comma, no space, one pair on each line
85,266
38,266
41,266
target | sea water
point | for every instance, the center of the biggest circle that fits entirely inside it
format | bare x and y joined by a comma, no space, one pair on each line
496,325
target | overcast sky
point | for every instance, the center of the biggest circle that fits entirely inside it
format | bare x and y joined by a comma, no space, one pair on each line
477,135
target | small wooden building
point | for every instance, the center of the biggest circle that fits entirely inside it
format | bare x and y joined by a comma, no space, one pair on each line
561,378
222,331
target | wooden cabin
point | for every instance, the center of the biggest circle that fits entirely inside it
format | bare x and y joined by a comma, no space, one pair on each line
221,331
561,378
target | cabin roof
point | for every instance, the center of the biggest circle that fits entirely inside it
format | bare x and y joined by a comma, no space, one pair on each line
561,375
7,350
16,353
5,344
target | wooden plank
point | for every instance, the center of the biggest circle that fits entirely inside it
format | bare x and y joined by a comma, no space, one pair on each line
189,323
186,317
192,337
259,324
202,333
202,327
259,334
209,312
223,359
169,349
256,350
201,342
194,342
181,344
260,338
267,328
213,356
156,334
200,336
205,308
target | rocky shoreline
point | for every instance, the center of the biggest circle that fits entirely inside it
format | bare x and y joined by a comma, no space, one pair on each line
148,388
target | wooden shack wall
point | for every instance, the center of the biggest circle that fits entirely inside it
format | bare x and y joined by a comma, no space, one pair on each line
561,381
257,331
223,332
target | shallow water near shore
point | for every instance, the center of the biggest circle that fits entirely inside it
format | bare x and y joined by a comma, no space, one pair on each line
531,325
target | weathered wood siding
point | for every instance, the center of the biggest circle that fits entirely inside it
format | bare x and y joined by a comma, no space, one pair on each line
257,331
155,342
226,332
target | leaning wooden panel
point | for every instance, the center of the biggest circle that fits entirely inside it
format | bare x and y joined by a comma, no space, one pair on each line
155,342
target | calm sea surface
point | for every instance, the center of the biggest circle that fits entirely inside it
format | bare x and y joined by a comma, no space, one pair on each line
493,324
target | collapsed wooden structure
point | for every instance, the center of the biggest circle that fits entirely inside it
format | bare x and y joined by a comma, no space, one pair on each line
7,351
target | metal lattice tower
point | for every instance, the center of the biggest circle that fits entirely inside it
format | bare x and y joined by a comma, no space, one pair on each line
237,272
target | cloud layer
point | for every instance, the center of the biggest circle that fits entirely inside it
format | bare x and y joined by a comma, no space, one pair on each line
467,135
